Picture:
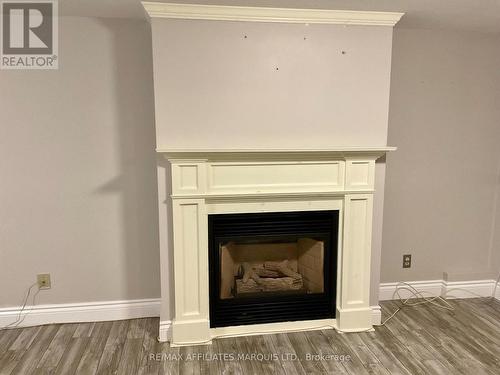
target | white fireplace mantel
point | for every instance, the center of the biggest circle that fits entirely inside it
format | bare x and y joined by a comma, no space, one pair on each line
237,181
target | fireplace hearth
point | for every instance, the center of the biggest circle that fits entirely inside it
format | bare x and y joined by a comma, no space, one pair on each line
272,267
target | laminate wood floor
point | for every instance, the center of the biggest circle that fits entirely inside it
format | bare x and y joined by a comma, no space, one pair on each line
418,340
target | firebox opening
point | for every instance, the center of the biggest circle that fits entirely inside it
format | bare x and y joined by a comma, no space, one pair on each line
272,267
266,267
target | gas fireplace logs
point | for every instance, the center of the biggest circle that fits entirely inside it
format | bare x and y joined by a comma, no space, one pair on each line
267,277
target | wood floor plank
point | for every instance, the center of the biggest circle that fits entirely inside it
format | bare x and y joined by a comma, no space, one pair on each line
71,358
84,330
288,356
108,364
418,340
442,343
264,362
132,348
169,359
228,345
303,348
56,349
25,338
210,366
399,350
91,356
330,360
466,336
7,337
373,341
188,364
136,328
353,365
10,358
30,359
415,341
365,355
148,366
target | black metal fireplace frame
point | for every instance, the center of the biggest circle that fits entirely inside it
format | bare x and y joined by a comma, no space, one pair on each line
321,225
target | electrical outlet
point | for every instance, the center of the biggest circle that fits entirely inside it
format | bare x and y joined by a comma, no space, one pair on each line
43,280
407,261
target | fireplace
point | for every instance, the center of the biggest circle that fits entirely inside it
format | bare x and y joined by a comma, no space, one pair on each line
272,267
270,240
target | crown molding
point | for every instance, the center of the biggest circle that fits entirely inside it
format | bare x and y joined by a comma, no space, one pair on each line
266,14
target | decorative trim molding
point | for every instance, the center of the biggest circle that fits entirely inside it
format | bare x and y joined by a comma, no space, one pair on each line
453,289
202,155
266,14
166,326
81,312
376,315
133,309
165,331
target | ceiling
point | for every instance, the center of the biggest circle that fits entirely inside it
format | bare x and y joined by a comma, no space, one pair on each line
466,15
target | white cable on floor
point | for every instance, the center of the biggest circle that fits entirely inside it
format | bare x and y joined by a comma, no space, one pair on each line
495,288
19,320
437,301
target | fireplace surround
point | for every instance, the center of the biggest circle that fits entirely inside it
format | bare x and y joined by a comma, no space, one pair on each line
210,185
272,267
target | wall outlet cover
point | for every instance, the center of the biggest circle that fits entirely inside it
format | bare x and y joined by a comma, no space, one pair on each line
43,280
407,261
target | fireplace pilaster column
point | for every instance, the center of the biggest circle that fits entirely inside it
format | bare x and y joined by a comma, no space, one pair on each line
191,322
353,293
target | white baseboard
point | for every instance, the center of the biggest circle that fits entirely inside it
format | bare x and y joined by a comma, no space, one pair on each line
132,309
81,312
165,330
376,315
448,289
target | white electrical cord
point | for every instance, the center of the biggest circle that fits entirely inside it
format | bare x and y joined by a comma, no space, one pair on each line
495,288
437,301
20,319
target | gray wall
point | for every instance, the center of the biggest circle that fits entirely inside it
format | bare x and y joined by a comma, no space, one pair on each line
78,169
78,180
440,185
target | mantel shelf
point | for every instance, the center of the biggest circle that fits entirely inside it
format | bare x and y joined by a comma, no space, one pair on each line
274,153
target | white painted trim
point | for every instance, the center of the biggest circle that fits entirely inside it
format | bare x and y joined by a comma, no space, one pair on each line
272,328
468,289
432,287
81,312
267,14
231,151
165,330
263,191
271,155
448,289
376,315
166,327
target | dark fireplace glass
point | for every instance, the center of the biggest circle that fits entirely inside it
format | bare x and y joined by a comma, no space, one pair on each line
272,267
